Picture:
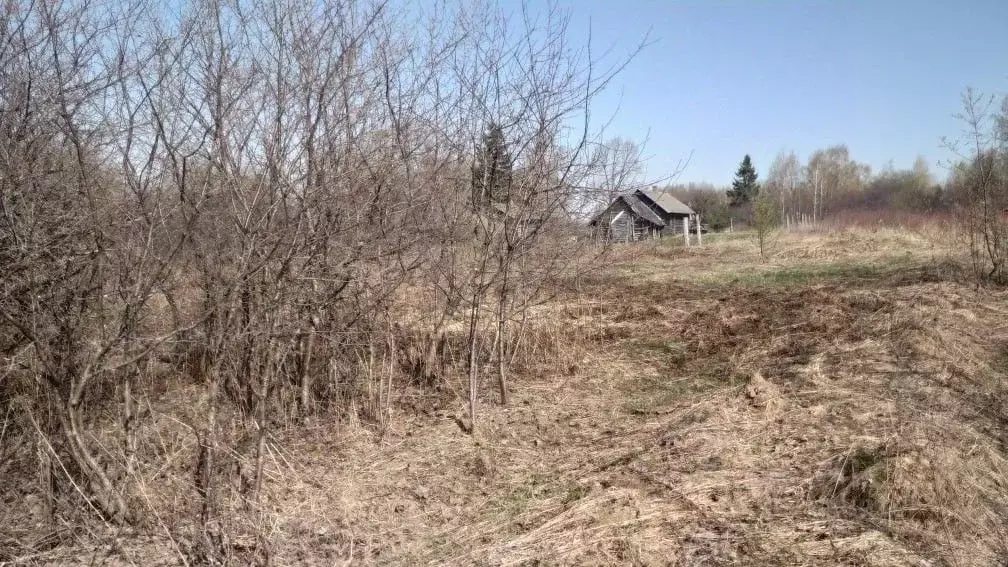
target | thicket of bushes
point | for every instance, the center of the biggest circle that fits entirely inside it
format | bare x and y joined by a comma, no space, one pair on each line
279,208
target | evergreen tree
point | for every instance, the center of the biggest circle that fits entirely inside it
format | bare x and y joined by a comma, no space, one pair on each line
492,173
744,187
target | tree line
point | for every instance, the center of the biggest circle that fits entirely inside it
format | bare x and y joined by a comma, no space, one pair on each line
830,181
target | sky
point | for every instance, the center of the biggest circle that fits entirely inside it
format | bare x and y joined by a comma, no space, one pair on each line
720,79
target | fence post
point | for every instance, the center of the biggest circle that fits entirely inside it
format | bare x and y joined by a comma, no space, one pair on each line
685,230
699,233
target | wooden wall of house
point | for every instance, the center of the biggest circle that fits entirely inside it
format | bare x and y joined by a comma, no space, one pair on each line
611,225
622,228
643,230
673,225
631,228
625,227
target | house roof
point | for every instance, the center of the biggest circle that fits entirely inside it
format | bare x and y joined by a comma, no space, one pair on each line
642,210
636,206
666,201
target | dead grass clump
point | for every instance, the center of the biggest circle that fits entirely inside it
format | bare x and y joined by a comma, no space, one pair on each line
547,345
705,330
912,482
855,478
890,219
867,300
762,393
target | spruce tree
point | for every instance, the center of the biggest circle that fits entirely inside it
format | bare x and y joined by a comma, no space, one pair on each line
492,173
744,187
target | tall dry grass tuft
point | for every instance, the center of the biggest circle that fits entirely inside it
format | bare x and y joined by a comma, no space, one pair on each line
895,219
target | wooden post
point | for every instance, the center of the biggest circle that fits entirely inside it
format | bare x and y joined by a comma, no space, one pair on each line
699,234
685,230
731,224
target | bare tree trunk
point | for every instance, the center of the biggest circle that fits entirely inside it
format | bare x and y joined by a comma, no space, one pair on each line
129,424
108,500
47,474
207,437
505,265
501,373
307,344
473,361
262,394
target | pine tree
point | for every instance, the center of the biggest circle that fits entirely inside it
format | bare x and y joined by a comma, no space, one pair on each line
744,187
492,173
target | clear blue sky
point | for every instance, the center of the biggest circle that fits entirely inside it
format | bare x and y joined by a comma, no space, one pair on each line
722,79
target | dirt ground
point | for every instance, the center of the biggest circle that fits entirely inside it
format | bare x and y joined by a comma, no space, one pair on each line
843,402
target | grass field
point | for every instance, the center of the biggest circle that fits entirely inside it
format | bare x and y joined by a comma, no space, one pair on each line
844,401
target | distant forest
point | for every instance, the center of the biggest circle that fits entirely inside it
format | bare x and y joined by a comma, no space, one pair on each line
831,182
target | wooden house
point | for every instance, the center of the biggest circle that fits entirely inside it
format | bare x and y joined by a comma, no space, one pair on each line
640,215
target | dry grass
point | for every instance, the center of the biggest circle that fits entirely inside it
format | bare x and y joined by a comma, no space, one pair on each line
843,403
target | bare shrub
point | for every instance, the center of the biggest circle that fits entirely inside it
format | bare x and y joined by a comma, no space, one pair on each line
249,215
980,188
